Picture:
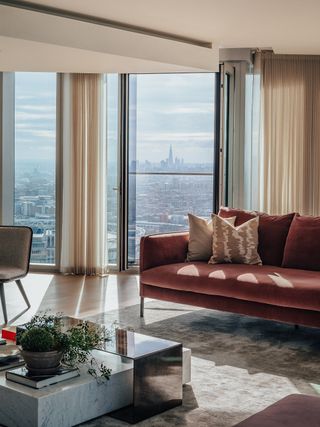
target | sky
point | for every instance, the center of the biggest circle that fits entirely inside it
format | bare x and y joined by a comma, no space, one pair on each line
35,116
177,110
170,109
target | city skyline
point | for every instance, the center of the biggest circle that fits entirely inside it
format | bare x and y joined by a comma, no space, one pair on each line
171,130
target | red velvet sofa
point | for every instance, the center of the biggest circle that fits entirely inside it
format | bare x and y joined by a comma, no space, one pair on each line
282,289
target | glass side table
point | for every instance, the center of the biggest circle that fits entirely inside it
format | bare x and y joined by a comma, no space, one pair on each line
157,373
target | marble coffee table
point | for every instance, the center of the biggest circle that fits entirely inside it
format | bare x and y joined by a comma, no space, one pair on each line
70,402
80,399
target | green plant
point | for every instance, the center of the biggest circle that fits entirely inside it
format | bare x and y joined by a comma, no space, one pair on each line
37,339
47,332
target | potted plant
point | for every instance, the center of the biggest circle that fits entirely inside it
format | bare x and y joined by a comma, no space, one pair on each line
46,343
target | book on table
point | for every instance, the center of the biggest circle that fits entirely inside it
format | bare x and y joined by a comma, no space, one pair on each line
23,376
10,357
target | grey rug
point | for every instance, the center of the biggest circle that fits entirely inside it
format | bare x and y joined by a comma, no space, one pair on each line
240,364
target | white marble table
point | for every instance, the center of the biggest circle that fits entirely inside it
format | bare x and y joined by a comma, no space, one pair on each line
73,401
68,403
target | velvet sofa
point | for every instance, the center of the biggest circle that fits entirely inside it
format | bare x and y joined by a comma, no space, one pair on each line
285,288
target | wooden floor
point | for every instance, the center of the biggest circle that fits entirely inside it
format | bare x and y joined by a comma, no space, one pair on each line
77,296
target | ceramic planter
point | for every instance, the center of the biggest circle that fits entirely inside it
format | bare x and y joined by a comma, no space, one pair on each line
42,362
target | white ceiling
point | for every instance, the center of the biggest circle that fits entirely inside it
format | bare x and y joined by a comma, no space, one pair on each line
288,26
32,41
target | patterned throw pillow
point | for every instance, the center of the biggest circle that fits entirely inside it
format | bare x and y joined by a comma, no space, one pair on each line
200,238
237,245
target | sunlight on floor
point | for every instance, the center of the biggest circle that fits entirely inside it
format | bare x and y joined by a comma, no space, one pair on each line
36,286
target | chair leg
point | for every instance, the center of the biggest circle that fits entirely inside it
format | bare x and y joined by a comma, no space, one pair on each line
141,307
3,303
18,282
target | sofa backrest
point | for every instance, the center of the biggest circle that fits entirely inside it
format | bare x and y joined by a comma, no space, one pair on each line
302,248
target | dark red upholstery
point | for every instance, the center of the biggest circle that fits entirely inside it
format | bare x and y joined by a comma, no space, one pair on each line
272,292
160,249
296,410
266,284
302,249
233,305
242,215
273,232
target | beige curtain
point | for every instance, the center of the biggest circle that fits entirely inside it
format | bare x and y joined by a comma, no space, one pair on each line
290,155
83,234
253,138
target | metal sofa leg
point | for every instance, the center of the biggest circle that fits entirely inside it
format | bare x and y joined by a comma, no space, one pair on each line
141,307
3,303
18,282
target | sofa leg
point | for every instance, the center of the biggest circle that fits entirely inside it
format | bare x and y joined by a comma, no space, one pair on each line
141,307
296,327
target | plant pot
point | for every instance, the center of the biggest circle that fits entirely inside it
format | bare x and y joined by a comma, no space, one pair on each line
42,362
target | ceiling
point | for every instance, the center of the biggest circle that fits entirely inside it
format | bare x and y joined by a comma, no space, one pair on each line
288,26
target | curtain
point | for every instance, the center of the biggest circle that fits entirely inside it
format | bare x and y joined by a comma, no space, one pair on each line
290,172
83,231
253,164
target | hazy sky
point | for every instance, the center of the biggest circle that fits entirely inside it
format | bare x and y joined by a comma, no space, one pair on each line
175,109
35,95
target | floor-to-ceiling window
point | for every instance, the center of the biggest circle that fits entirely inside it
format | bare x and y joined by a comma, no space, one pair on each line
35,161
171,152
112,170
169,135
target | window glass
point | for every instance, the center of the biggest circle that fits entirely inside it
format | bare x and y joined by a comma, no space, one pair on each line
35,161
112,199
171,153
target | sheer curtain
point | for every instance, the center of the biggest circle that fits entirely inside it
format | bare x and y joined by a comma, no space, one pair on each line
83,225
288,170
253,138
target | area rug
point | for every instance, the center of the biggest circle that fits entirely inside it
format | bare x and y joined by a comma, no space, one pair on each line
240,364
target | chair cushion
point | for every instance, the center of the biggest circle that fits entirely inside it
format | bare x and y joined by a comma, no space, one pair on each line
302,248
273,232
266,284
10,273
296,410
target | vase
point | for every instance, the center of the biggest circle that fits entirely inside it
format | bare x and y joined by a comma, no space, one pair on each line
42,362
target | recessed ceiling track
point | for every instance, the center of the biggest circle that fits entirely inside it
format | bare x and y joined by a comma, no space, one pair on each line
35,7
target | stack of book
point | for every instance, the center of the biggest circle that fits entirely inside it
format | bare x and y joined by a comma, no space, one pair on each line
10,357
23,376
9,333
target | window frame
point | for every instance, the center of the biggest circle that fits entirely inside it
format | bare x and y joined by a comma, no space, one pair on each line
6,121
7,168
124,143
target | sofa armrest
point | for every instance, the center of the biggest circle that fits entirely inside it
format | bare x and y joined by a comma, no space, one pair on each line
161,249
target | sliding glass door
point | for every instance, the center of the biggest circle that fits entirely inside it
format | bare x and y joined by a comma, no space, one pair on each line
171,153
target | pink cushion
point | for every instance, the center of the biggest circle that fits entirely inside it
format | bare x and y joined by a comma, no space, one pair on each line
265,284
296,410
302,249
273,231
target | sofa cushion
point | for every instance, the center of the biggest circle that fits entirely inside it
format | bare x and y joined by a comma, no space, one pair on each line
273,232
234,244
302,248
266,284
200,238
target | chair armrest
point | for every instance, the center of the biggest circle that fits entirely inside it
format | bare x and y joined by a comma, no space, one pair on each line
161,249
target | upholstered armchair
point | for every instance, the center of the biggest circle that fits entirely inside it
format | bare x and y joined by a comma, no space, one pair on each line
15,249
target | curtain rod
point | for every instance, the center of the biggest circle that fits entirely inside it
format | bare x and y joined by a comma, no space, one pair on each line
62,13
